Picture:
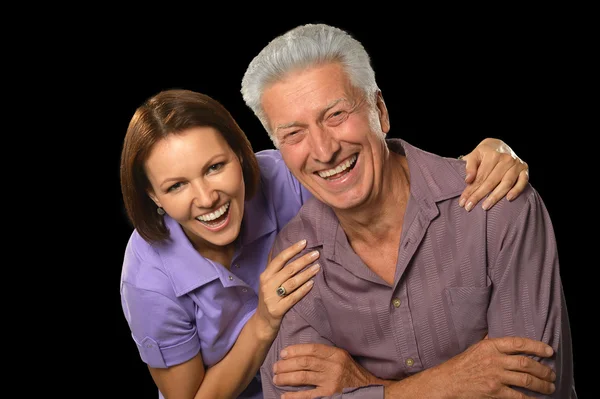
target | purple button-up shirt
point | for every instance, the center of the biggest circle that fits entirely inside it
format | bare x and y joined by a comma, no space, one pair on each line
459,275
178,303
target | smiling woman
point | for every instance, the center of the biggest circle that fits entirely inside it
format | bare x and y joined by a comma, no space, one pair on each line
197,179
195,291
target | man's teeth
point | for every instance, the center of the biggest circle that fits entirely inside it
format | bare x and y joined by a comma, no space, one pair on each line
340,168
214,215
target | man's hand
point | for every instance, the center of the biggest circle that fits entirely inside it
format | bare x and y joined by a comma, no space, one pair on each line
327,368
493,167
488,369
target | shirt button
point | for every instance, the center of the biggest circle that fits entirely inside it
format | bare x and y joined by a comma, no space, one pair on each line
244,290
409,362
236,266
396,302
148,345
230,277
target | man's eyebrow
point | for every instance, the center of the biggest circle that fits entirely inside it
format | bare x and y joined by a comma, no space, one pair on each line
331,104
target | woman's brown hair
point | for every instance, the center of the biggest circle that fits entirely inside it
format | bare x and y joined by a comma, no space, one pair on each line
172,112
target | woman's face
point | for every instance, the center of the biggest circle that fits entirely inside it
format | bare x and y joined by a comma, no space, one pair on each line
197,179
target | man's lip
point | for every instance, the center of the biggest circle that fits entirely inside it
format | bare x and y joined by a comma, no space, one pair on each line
337,163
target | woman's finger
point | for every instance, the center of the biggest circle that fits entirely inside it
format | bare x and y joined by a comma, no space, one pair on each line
495,186
283,257
520,185
289,285
292,268
292,298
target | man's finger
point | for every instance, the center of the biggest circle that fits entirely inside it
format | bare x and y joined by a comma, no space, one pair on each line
525,364
317,350
298,378
525,380
297,363
308,394
513,345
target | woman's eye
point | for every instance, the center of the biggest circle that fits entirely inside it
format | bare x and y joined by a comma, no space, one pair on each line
215,167
174,187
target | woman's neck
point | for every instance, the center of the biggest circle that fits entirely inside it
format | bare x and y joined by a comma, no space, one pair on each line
216,253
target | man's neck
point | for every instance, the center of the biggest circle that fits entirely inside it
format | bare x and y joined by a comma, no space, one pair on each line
381,217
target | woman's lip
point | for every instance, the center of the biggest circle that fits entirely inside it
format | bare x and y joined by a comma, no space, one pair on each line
220,226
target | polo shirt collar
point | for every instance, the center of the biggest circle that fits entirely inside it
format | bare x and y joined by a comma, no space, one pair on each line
188,270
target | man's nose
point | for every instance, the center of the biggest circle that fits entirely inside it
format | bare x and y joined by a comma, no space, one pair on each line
324,146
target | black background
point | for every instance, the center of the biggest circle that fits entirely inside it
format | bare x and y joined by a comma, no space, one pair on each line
447,83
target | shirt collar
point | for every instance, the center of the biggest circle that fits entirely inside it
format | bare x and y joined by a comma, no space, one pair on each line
187,269
432,179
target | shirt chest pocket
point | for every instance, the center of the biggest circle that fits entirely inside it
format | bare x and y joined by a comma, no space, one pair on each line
468,308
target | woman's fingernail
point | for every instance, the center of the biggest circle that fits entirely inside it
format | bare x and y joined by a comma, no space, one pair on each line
469,206
283,353
315,268
461,203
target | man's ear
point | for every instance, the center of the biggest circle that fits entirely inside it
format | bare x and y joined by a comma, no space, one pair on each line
384,117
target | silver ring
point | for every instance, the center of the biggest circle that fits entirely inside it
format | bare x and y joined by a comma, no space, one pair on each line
281,291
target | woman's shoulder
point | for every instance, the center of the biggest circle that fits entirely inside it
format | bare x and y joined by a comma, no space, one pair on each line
143,267
276,180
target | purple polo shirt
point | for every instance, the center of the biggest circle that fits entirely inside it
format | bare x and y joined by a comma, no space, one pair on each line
459,275
178,303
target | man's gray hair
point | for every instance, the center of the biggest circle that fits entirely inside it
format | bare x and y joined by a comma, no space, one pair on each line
303,47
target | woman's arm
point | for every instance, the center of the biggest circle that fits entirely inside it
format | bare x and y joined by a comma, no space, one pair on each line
230,376
226,379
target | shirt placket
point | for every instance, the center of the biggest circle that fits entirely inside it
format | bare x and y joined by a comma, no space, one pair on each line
406,339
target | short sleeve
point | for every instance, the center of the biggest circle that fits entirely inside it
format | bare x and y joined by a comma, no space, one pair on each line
164,332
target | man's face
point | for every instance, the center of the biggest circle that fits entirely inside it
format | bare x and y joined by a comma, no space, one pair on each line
330,137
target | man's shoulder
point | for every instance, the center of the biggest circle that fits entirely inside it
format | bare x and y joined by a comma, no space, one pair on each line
508,212
307,224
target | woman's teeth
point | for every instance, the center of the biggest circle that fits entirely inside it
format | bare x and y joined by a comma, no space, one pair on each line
214,215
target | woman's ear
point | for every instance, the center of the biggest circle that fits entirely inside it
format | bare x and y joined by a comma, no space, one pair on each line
153,197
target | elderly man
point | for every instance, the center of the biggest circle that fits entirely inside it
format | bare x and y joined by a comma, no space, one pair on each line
410,286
